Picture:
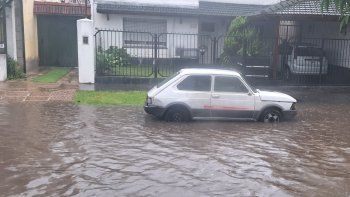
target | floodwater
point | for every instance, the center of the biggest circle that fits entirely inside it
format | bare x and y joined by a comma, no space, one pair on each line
60,149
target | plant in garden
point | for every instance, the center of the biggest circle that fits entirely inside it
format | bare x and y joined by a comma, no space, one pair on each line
113,57
13,70
241,40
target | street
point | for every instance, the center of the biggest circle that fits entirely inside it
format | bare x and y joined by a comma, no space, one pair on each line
61,149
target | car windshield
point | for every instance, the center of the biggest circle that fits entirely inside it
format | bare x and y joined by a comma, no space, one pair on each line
309,51
167,79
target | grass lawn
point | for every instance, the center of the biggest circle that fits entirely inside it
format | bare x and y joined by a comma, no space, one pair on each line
52,76
133,98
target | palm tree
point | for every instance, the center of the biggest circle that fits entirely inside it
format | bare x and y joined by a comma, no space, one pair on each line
342,6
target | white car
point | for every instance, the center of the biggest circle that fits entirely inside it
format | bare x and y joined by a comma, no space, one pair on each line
306,60
215,94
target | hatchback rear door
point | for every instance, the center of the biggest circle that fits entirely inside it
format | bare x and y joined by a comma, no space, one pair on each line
195,92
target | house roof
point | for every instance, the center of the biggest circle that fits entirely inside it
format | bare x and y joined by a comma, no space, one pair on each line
204,8
301,7
229,9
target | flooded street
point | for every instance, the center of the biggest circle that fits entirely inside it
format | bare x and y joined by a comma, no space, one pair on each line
61,149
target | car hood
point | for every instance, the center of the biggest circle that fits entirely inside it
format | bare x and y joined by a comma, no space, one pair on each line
276,96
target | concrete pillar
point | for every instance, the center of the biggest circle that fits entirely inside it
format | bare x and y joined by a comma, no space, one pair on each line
86,51
3,67
11,31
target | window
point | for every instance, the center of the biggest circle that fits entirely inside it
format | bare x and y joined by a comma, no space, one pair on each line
229,84
207,27
196,83
134,35
167,79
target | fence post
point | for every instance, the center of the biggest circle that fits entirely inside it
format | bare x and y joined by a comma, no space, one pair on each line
321,62
155,63
244,51
86,51
214,49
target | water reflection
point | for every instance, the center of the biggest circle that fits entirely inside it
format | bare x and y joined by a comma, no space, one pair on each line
62,149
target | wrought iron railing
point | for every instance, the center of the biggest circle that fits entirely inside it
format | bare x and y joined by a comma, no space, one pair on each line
313,61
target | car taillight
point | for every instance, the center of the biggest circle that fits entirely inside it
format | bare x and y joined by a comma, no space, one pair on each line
293,107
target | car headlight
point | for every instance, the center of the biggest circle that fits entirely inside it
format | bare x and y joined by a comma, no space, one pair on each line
149,101
293,107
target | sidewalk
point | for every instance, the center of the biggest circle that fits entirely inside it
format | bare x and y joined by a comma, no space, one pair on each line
25,90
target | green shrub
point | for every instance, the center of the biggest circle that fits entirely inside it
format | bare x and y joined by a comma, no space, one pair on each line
13,70
113,57
242,40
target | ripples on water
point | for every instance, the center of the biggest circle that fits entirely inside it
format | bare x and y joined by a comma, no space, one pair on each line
63,149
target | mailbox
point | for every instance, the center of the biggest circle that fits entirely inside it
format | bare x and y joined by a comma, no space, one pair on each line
2,48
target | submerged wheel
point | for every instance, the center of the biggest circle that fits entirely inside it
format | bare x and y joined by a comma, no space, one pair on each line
177,114
271,115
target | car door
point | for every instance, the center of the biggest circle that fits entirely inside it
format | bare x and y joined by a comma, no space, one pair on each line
195,92
231,98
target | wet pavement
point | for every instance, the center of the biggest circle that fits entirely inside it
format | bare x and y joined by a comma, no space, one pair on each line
19,91
60,149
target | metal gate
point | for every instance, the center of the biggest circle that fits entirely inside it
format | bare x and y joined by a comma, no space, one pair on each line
260,60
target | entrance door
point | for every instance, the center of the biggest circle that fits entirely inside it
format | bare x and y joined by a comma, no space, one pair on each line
57,41
231,98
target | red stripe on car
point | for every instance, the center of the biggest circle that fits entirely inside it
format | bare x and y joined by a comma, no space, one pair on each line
227,108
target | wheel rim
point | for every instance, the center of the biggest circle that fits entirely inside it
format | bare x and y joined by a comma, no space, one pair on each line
272,117
177,117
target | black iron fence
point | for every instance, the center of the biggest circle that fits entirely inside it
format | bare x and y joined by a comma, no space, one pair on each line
271,60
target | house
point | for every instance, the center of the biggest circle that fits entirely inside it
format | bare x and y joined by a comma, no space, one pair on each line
181,27
43,32
305,22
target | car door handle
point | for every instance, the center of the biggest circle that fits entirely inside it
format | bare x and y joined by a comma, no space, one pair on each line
215,96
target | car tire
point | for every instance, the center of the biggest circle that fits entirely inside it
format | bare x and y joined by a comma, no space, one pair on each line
271,115
177,114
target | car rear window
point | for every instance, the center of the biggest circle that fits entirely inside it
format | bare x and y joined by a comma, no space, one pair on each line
229,84
309,51
167,79
196,83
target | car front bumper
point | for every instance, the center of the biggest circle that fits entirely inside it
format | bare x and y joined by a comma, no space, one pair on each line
290,114
154,110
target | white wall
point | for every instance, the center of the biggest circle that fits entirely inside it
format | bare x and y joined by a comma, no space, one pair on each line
86,51
183,25
11,31
3,67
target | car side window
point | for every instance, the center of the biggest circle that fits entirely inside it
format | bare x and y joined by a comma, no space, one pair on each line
196,83
229,84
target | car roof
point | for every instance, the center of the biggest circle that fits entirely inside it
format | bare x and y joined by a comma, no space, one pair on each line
208,71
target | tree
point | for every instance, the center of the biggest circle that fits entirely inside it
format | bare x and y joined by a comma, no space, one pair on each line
242,40
342,6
